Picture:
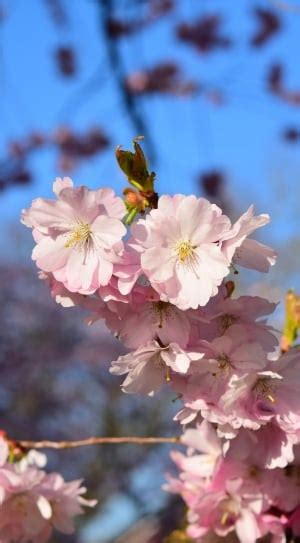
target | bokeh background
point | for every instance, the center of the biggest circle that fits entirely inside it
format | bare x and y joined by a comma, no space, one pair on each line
214,87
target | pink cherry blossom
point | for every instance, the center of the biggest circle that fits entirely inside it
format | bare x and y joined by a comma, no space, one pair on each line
162,292
65,500
78,236
33,502
24,512
268,447
151,365
62,295
181,257
154,319
204,439
227,496
255,399
226,511
129,270
247,252
249,401
207,387
249,311
233,353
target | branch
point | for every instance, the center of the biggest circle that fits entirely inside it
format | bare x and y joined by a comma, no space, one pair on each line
117,66
95,441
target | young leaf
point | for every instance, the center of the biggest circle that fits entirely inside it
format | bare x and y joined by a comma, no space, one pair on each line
292,320
134,165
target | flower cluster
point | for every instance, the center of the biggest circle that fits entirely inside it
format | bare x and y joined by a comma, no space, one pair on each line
182,250
229,491
162,288
33,502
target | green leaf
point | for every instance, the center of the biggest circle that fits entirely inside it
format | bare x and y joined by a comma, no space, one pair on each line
134,165
129,218
292,320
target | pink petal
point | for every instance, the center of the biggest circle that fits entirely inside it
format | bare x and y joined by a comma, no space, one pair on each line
255,256
61,183
158,263
107,231
51,254
105,272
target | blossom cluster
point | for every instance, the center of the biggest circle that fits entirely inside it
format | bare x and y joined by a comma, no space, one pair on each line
229,490
33,502
162,288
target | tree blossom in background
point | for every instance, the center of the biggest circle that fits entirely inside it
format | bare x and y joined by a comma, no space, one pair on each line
33,502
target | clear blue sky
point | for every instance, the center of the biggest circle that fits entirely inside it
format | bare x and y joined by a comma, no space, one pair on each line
191,135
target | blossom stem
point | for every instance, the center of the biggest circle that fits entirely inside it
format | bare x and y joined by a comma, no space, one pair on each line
96,441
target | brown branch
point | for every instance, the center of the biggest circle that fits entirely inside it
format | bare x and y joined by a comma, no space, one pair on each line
119,70
95,441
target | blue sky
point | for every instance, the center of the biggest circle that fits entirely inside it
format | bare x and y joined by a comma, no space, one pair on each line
242,137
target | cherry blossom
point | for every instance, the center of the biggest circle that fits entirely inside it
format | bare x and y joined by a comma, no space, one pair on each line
248,311
247,252
152,365
78,236
181,257
161,288
33,502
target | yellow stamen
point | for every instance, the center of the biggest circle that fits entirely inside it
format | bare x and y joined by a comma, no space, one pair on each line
185,251
224,517
160,364
227,321
162,309
263,388
223,362
80,236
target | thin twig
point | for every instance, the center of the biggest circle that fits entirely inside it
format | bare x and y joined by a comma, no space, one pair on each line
96,441
119,70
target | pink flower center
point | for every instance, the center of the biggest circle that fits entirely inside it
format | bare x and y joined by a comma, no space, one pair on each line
227,320
224,366
161,309
20,503
263,388
229,512
80,236
223,362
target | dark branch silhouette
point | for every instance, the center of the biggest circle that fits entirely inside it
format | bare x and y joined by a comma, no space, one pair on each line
268,25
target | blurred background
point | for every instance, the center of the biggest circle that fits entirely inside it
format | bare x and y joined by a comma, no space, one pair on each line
214,86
